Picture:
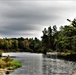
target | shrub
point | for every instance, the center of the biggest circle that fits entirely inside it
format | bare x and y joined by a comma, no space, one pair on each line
16,64
2,64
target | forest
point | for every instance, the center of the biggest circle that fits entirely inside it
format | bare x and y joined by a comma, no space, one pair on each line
52,40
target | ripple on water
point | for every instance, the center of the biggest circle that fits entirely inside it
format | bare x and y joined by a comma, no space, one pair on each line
58,67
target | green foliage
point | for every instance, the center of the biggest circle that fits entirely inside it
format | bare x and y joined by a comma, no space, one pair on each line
62,40
7,62
15,44
16,64
52,40
74,22
6,44
48,37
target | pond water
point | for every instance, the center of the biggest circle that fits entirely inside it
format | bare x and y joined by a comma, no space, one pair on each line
36,64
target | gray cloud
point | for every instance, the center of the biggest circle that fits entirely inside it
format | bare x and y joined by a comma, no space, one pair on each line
21,17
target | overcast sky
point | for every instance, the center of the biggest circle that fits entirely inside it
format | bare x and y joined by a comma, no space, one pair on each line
27,18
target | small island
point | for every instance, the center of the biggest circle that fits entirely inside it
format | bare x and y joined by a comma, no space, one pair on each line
8,64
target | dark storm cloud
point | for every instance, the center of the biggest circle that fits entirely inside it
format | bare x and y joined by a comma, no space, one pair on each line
31,12
12,33
21,27
22,17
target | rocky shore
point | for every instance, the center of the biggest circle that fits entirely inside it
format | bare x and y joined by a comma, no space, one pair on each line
74,73
2,72
6,71
7,65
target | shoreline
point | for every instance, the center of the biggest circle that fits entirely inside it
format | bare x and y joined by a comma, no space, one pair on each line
62,55
8,65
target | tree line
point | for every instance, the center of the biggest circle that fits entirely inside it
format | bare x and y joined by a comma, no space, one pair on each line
62,40
20,44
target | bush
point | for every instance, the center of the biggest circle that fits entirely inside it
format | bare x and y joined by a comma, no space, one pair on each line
16,64
2,64
7,62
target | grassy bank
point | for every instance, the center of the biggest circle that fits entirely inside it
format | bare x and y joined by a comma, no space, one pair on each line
67,56
8,64
70,56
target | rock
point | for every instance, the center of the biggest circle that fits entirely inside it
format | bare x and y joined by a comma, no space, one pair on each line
2,72
10,68
74,73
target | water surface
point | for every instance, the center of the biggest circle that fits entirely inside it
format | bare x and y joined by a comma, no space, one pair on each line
36,64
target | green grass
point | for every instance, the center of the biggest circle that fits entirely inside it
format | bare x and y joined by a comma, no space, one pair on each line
16,64
7,62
